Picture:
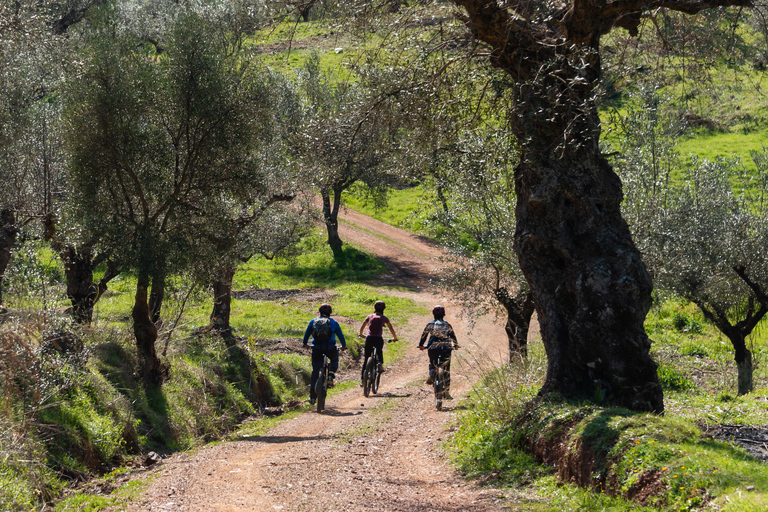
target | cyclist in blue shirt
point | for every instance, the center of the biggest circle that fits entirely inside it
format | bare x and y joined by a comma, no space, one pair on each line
323,331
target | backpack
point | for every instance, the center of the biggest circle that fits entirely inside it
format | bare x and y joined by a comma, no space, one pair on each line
321,329
440,335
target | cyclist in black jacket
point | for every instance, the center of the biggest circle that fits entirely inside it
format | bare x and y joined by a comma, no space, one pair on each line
440,340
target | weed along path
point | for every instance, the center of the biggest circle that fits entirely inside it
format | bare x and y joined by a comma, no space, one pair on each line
381,453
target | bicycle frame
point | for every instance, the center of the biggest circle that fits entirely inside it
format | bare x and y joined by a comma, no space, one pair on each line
371,373
321,386
439,382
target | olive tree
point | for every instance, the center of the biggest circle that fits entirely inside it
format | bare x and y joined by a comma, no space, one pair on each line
25,45
156,143
708,246
591,288
351,134
483,269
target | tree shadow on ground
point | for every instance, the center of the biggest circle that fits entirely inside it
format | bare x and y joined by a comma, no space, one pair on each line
286,439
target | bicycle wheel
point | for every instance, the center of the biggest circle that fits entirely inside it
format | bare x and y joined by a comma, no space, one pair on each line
368,376
439,388
377,378
321,388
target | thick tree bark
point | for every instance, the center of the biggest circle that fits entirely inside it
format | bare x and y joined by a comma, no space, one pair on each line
331,217
590,286
222,300
743,365
146,332
8,234
520,309
157,296
78,268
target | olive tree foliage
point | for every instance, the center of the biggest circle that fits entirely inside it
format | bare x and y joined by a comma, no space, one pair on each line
351,134
591,288
708,246
268,219
643,144
31,174
157,143
483,270
702,240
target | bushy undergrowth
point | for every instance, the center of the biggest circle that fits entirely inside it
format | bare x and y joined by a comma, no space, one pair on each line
73,405
73,421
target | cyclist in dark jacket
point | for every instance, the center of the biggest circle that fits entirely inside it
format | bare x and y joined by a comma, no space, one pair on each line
440,341
323,347
374,338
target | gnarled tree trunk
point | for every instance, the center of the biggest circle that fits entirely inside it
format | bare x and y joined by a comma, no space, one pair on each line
156,297
78,268
81,291
222,300
520,310
590,286
8,233
331,218
146,332
744,368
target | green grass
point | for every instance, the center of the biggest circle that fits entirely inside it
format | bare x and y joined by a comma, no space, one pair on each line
117,500
712,146
407,208
493,436
103,416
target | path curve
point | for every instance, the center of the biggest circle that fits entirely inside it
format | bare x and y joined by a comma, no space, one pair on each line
383,453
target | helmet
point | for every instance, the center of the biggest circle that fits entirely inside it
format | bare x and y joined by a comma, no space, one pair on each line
379,306
325,309
438,311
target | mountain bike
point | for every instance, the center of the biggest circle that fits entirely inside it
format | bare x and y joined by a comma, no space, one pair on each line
372,374
321,386
439,385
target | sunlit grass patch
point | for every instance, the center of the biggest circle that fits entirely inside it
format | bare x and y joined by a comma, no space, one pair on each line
117,500
406,208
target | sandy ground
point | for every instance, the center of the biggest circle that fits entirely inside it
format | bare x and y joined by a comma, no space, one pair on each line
381,453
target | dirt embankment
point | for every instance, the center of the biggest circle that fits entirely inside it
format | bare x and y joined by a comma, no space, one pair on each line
382,453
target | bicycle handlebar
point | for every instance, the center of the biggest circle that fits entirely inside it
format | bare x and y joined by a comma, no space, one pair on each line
388,340
311,345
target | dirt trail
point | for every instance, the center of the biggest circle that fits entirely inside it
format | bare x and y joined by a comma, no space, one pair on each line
376,454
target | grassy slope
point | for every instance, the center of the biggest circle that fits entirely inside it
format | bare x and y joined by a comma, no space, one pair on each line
102,415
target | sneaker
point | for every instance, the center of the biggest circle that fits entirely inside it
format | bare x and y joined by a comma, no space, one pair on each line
330,384
381,369
447,396
361,384
430,380
311,401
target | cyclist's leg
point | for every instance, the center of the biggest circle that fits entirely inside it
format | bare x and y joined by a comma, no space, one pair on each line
432,353
333,357
317,365
379,342
447,366
366,355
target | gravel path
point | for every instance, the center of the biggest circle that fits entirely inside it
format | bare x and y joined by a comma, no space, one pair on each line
382,453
